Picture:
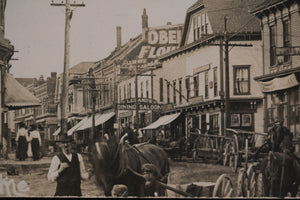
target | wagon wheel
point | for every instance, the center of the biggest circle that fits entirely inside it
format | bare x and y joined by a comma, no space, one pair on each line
223,187
241,183
252,183
226,154
260,186
234,153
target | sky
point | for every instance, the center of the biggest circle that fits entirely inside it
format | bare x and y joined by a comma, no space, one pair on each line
36,30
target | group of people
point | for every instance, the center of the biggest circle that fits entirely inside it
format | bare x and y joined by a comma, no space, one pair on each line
28,142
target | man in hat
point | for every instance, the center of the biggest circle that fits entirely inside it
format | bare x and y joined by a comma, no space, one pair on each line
67,168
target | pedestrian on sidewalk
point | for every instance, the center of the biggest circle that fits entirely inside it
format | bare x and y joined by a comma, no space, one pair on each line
36,142
67,168
22,142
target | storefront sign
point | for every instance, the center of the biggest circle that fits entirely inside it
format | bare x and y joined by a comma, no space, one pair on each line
143,103
287,51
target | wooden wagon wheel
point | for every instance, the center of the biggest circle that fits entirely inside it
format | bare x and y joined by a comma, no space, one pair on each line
260,186
226,154
241,183
234,153
252,182
223,187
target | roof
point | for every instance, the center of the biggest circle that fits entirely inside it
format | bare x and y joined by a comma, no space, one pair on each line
81,68
267,4
237,11
17,96
26,81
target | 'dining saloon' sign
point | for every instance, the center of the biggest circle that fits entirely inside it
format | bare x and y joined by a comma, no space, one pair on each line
143,103
160,42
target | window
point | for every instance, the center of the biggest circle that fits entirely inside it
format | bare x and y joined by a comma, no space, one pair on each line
214,122
187,86
286,38
124,89
241,80
142,90
196,85
120,91
206,84
200,26
168,92
147,89
161,89
272,45
180,91
174,92
129,90
215,82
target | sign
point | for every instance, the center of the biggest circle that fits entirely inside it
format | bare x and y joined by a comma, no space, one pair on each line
116,126
143,103
160,42
287,51
9,188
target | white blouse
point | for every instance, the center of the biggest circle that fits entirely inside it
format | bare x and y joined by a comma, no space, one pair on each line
35,134
22,132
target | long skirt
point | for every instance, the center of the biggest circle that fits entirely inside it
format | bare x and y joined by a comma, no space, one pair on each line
22,148
35,146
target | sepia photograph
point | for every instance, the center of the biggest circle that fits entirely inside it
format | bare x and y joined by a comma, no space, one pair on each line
150,98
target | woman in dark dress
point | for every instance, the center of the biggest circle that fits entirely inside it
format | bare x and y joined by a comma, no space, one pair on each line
36,142
22,141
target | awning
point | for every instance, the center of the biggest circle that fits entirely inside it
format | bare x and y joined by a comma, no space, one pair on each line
79,124
56,132
99,119
17,96
88,123
164,120
104,118
279,83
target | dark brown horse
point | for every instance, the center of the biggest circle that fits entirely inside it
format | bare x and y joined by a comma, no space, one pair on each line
281,167
116,163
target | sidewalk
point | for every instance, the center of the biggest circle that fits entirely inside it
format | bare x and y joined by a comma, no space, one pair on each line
26,166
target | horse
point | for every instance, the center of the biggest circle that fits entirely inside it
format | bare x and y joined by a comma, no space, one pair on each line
118,163
280,168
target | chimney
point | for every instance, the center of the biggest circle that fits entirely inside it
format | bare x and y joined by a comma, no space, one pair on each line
144,19
119,37
53,74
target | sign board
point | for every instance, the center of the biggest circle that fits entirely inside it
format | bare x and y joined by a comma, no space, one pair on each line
143,103
287,51
116,126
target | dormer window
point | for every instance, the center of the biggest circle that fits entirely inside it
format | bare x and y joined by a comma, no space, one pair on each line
200,26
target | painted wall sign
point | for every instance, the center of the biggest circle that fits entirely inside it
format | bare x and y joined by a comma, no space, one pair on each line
143,103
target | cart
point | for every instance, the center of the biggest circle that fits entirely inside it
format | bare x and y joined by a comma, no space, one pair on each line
208,147
241,146
223,187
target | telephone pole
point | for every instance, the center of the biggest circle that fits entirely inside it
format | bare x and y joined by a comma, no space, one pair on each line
65,82
227,93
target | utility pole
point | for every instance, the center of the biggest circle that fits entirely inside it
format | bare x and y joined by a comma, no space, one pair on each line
227,92
65,82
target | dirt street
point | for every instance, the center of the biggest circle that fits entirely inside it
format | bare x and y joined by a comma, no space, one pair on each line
181,173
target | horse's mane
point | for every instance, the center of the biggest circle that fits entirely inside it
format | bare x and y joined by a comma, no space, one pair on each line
115,157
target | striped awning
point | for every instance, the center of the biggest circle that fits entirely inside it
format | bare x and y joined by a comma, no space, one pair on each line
164,120
17,96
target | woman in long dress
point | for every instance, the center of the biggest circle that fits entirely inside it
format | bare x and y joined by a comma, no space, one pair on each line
29,149
36,142
22,140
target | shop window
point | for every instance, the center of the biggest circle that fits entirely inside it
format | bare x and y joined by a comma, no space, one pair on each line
214,122
270,116
241,80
